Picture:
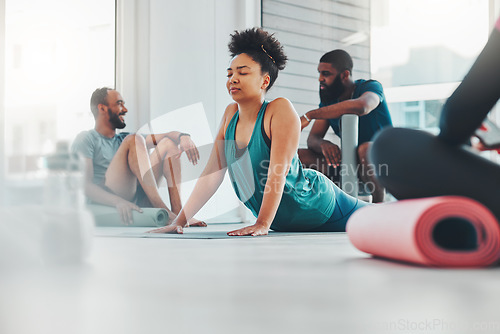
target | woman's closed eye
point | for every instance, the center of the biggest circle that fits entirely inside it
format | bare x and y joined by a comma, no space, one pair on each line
231,74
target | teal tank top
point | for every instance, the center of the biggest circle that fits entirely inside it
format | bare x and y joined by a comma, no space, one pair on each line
308,197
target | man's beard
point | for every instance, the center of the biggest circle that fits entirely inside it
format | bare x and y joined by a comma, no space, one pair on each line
330,94
115,120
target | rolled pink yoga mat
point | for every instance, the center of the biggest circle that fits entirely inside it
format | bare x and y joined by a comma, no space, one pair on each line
448,231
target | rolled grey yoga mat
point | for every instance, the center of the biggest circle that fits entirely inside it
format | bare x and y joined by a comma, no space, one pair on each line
108,216
349,174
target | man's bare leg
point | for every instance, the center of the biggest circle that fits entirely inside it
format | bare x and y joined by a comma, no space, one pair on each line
165,160
367,173
130,165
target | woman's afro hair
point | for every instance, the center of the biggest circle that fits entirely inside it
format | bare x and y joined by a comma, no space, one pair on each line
262,47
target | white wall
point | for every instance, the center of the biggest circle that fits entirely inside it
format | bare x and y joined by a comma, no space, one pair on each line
171,54
2,102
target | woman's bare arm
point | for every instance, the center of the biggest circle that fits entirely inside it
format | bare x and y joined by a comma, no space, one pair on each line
209,181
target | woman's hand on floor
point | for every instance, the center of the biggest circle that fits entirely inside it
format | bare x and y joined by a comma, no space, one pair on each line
252,230
172,229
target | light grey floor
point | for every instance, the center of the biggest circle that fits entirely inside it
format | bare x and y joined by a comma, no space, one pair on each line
292,284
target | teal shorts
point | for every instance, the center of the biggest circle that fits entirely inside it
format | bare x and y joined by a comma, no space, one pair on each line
345,205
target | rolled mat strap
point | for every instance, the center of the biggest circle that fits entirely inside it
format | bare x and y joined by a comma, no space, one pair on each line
448,231
108,216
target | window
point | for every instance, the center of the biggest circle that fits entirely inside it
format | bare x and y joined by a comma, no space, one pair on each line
417,114
421,50
57,53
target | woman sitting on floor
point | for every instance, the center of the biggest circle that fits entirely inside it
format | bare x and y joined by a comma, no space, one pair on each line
259,142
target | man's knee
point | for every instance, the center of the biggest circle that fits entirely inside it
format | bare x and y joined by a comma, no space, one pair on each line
168,147
363,151
134,139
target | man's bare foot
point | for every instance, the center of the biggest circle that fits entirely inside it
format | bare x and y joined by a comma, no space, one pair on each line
196,222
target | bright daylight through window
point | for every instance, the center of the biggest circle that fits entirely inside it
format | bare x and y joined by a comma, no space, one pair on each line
56,53
421,50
